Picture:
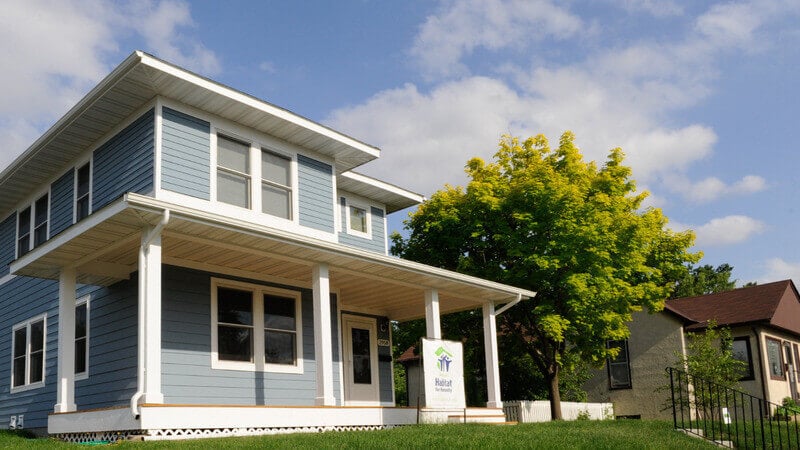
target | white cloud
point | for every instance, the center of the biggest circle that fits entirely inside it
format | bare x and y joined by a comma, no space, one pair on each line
462,26
712,188
56,50
778,269
657,8
723,231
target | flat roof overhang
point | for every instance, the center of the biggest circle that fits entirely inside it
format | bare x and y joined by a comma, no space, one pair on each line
134,83
104,249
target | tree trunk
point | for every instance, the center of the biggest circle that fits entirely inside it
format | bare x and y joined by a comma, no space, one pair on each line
555,395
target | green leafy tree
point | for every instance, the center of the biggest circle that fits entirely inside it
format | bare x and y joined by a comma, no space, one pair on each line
703,280
545,220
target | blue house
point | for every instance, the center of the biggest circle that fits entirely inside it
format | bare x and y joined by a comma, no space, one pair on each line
178,259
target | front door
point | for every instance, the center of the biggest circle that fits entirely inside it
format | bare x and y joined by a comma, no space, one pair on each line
359,336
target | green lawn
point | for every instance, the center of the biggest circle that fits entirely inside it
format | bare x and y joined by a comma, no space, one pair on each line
621,434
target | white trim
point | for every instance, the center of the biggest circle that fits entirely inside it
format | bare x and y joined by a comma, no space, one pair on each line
323,336
85,300
158,152
433,326
491,357
257,292
6,279
371,323
27,325
65,372
367,223
413,196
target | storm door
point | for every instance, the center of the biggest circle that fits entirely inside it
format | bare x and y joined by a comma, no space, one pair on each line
360,346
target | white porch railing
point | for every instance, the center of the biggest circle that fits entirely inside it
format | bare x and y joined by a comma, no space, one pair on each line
539,411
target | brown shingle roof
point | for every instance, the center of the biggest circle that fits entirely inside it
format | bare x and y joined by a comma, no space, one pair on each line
776,303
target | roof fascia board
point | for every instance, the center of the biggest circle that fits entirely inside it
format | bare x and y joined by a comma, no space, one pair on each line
253,102
150,204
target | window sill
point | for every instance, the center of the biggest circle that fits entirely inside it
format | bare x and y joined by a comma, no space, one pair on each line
27,387
251,367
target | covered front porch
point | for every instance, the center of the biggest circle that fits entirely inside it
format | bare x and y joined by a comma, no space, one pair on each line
137,236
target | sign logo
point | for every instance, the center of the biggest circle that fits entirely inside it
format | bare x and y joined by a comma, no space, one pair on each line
444,359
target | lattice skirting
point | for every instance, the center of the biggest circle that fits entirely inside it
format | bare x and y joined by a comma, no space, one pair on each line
184,433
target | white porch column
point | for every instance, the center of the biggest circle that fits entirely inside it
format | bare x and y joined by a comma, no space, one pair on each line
150,295
433,324
323,342
492,361
65,389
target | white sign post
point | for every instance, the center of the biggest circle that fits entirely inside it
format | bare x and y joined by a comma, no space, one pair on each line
443,367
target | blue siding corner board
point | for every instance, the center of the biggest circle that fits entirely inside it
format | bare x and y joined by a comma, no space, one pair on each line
315,186
125,162
186,154
61,203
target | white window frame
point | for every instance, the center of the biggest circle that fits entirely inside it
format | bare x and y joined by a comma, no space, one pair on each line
258,364
248,176
292,187
75,198
348,204
84,301
27,325
32,225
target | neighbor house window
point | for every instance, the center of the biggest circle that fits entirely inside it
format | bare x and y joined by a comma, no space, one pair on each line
741,352
28,344
256,328
619,368
774,359
83,182
276,190
233,172
82,337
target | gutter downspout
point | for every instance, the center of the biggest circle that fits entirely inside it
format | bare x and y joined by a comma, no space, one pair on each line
146,240
508,305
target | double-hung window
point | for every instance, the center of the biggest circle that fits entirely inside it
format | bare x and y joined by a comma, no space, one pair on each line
40,224
276,185
82,338
24,232
256,328
233,172
32,225
619,367
28,344
83,182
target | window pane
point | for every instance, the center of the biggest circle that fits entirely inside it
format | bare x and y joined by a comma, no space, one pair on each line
235,343
83,180
620,376
80,321
358,219
80,355
234,306
41,210
233,189
19,371
82,207
741,352
279,313
275,201
37,366
279,347
24,245
774,356
232,154
40,235
37,336
24,226
275,168
20,342
362,370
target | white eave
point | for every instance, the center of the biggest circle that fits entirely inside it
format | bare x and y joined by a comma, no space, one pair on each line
395,198
103,248
132,84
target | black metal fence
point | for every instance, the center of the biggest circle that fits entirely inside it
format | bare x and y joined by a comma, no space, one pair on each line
729,417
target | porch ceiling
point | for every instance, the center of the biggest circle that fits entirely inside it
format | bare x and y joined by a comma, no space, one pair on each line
104,249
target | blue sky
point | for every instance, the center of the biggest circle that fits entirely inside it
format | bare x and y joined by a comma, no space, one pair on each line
701,96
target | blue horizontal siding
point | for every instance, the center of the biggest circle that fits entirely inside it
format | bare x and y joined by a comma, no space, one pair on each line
61,203
8,237
186,154
315,191
124,163
187,376
377,243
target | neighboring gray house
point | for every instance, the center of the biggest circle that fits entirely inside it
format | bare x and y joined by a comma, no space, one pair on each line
178,258
765,326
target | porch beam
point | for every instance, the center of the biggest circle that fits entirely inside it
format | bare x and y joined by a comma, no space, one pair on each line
323,340
492,360
65,388
433,324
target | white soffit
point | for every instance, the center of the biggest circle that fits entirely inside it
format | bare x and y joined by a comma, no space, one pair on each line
395,198
136,81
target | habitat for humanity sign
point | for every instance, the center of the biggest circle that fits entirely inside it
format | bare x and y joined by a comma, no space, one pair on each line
443,367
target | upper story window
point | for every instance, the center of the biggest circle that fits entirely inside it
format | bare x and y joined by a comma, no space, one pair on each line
28,344
233,172
83,182
358,220
276,185
256,328
32,225
619,368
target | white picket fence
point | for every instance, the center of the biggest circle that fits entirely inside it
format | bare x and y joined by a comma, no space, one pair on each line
539,411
